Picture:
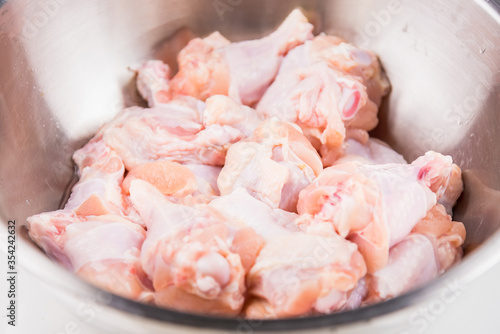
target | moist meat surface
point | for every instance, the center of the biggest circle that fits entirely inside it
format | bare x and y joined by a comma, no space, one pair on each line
250,186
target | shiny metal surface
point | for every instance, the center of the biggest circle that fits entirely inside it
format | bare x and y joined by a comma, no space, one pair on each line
63,72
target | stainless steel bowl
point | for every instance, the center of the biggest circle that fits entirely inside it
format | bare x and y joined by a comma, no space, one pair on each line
63,72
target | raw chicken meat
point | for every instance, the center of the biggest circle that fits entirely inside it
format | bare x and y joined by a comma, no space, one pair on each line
187,254
322,86
264,220
201,203
401,275
448,235
433,246
316,277
104,250
454,189
274,165
242,70
206,178
223,111
153,82
185,132
352,60
186,184
101,172
374,151
170,178
145,135
315,98
248,213
375,206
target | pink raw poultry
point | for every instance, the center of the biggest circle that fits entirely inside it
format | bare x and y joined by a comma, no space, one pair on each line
184,131
104,250
242,70
291,280
352,60
375,206
273,165
433,246
99,189
374,151
202,204
213,65
286,280
189,256
153,82
321,86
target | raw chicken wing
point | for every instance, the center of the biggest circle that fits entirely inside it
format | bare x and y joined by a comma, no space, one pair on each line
375,206
433,246
351,60
454,189
321,86
187,254
294,274
104,250
273,165
101,172
449,235
302,274
242,70
374,151
153,82
175,132
264,220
